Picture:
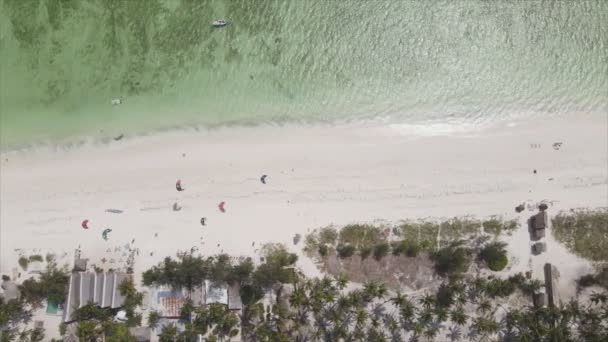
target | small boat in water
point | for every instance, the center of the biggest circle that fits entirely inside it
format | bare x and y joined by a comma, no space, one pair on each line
219,23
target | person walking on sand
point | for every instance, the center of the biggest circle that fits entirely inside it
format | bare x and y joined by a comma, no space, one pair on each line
178,185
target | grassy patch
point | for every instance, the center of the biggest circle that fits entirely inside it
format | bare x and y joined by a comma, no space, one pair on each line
328,235
496,226
360,235
584,232
381,250
36,257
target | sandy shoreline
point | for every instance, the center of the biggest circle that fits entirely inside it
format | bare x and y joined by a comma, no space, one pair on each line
316,177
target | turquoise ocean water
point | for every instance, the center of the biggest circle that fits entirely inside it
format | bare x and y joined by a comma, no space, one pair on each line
302,61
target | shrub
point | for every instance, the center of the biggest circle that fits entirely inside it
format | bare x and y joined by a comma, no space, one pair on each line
586,281
345,251
407,247
426,245
412,250
323,250
36,257
360,235
311,243
381,250
452,259
365,252
50,285
492,226
495,256
328,235
599,279
500,288
49,257
23,262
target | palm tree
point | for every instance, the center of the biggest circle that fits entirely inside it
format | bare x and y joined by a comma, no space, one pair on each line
399,299
484,306
485,326
455,334
458,317
427,301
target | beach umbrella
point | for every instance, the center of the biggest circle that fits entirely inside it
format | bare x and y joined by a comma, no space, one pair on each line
221,207
85,224
105,232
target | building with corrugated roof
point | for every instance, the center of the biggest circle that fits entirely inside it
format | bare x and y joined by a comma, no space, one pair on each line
93,288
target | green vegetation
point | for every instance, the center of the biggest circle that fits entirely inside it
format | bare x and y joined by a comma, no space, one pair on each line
346,242
49,257
215,319
189,271
23,262
153,319
328,235
600,278
494,255
360,235
345,251
365,252
12,313
453,259
406,247
497,226
95,322
453,229
36,257
51,286
381,250
584,232
133,299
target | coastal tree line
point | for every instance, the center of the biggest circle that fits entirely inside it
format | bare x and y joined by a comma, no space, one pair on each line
281,304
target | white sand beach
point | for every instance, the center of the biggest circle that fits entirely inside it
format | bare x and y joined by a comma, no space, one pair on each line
317,176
